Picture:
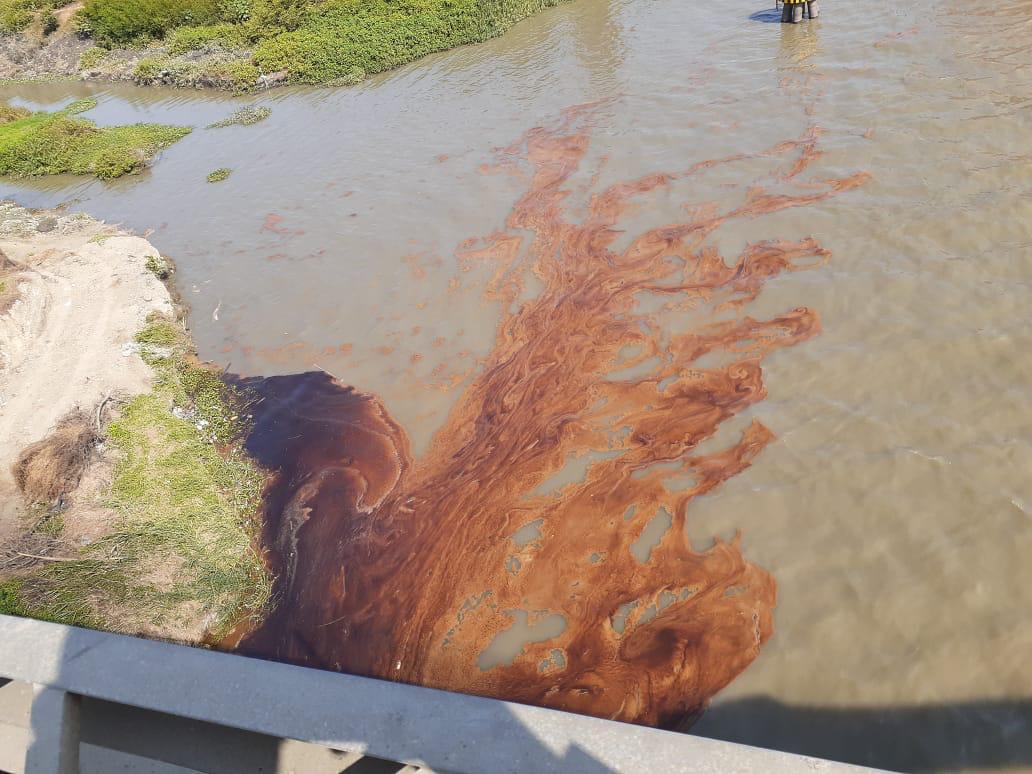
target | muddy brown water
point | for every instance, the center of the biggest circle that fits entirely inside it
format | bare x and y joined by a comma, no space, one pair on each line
890,504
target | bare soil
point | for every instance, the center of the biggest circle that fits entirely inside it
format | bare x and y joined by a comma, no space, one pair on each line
81,291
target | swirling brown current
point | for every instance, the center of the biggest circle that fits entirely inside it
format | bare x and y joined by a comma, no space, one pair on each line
402,568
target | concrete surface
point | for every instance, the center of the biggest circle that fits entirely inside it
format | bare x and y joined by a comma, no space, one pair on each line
269,702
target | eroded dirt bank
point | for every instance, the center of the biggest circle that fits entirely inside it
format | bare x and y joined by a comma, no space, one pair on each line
77,292
125,503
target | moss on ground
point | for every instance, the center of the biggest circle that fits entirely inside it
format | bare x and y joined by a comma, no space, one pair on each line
35,144
183,548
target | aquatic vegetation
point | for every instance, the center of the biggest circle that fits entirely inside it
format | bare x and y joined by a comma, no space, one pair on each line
218,175
401,567
54,143
185,497
81,106
245,116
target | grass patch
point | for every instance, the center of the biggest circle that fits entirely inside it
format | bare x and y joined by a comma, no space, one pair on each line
182,550
35,144
10,598
218,175
245,116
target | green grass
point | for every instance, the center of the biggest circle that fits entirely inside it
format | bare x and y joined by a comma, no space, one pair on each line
186,499
10,598
218,175
54,143
245,116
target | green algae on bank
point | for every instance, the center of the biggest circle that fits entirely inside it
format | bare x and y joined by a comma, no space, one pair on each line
38,144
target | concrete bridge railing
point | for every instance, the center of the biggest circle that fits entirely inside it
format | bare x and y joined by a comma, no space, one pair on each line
73,669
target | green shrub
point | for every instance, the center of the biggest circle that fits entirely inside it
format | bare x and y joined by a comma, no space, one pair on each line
273,17
50,23
121,22
184,39
15,15
234,11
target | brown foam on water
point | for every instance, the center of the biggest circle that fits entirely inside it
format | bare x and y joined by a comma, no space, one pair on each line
405,568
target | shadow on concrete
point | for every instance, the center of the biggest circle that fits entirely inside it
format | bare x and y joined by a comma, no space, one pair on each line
767,16
70,734
935,737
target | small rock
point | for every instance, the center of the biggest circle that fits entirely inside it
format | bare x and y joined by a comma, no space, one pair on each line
46,224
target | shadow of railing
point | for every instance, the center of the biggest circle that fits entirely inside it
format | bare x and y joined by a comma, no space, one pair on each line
933,737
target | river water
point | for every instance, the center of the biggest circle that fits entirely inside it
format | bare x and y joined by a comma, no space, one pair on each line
892,507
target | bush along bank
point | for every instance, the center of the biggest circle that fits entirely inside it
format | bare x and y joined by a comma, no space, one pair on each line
35,144
247,44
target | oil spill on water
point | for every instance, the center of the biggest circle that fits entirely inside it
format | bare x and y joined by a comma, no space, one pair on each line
404,567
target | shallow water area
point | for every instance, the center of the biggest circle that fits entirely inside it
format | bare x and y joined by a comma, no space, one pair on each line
892,507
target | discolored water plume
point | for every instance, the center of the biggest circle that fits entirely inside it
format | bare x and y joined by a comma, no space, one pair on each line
404,568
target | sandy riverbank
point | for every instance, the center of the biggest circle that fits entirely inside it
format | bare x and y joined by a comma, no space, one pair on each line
77,293
125,500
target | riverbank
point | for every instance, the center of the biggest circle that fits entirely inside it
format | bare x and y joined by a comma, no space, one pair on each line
125,503
245,44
